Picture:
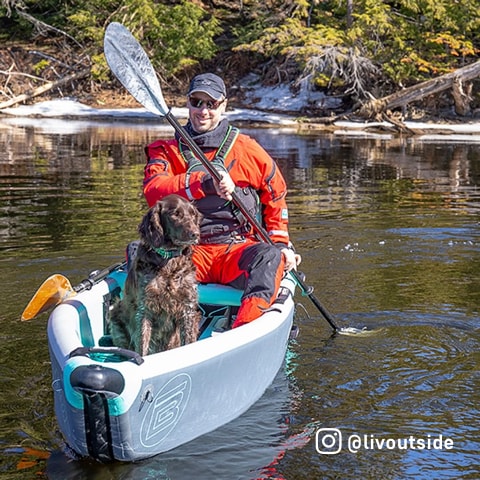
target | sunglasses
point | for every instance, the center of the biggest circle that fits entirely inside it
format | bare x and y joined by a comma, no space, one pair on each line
199,103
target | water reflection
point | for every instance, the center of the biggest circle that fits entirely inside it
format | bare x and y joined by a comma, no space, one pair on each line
389,232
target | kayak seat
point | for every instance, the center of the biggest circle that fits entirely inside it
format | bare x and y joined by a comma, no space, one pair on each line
215,294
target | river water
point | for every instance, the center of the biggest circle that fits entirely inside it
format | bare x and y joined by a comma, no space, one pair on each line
389,232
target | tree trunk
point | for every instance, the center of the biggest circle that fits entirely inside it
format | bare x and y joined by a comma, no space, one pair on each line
418,92
462,96
349,14
45,88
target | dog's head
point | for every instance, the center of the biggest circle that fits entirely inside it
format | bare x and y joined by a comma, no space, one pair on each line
172,222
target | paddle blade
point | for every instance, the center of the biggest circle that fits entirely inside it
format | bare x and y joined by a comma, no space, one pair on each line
130,64
352,331
53,291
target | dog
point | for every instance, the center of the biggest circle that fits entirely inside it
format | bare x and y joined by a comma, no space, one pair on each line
159,309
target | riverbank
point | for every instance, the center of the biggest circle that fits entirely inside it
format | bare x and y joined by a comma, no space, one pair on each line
273,107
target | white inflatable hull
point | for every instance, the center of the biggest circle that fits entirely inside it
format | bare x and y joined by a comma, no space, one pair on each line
115,405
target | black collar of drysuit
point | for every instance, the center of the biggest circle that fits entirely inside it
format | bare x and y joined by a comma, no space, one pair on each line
208,140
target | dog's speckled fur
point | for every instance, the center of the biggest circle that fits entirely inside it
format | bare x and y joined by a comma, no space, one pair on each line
159,310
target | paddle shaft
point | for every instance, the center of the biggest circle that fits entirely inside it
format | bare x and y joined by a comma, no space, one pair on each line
262,233
97,276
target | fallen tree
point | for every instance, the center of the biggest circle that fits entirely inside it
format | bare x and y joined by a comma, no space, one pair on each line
45,88
458,80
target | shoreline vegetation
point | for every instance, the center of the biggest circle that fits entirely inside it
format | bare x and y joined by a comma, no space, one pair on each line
398,68
252,104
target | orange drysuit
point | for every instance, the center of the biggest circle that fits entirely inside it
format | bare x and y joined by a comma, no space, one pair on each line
233,256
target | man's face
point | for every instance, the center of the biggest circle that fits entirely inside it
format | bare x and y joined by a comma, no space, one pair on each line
205,113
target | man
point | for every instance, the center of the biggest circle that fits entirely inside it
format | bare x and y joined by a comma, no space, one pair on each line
228,253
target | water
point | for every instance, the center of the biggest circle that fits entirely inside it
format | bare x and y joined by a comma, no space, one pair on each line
389,233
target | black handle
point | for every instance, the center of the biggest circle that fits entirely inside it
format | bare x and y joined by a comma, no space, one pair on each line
97,276
122,352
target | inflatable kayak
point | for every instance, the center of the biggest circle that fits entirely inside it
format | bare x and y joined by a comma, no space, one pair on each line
113,404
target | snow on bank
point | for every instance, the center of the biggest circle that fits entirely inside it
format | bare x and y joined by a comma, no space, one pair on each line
68,108
269,103
281,99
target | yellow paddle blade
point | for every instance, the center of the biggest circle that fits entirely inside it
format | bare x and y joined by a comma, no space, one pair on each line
53,291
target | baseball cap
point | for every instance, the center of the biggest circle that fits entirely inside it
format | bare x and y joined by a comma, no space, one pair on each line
210,84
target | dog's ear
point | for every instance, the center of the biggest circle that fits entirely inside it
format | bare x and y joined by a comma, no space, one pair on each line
150,229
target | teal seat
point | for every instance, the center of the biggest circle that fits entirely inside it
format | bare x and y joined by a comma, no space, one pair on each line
214,294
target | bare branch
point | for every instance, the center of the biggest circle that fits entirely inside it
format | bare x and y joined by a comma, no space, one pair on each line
42,27
21,74
49,58
9,5
354,70
45,88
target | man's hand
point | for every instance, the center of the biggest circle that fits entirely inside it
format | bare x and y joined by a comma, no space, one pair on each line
291,258
225,186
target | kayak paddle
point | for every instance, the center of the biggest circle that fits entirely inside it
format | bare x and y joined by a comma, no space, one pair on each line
132,67
57,288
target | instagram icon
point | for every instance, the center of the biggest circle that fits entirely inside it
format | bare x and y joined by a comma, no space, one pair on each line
328,441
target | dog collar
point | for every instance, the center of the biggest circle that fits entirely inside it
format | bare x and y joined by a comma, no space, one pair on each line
164,253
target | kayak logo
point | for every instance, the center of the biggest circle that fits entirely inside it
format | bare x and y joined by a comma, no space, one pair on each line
165,410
